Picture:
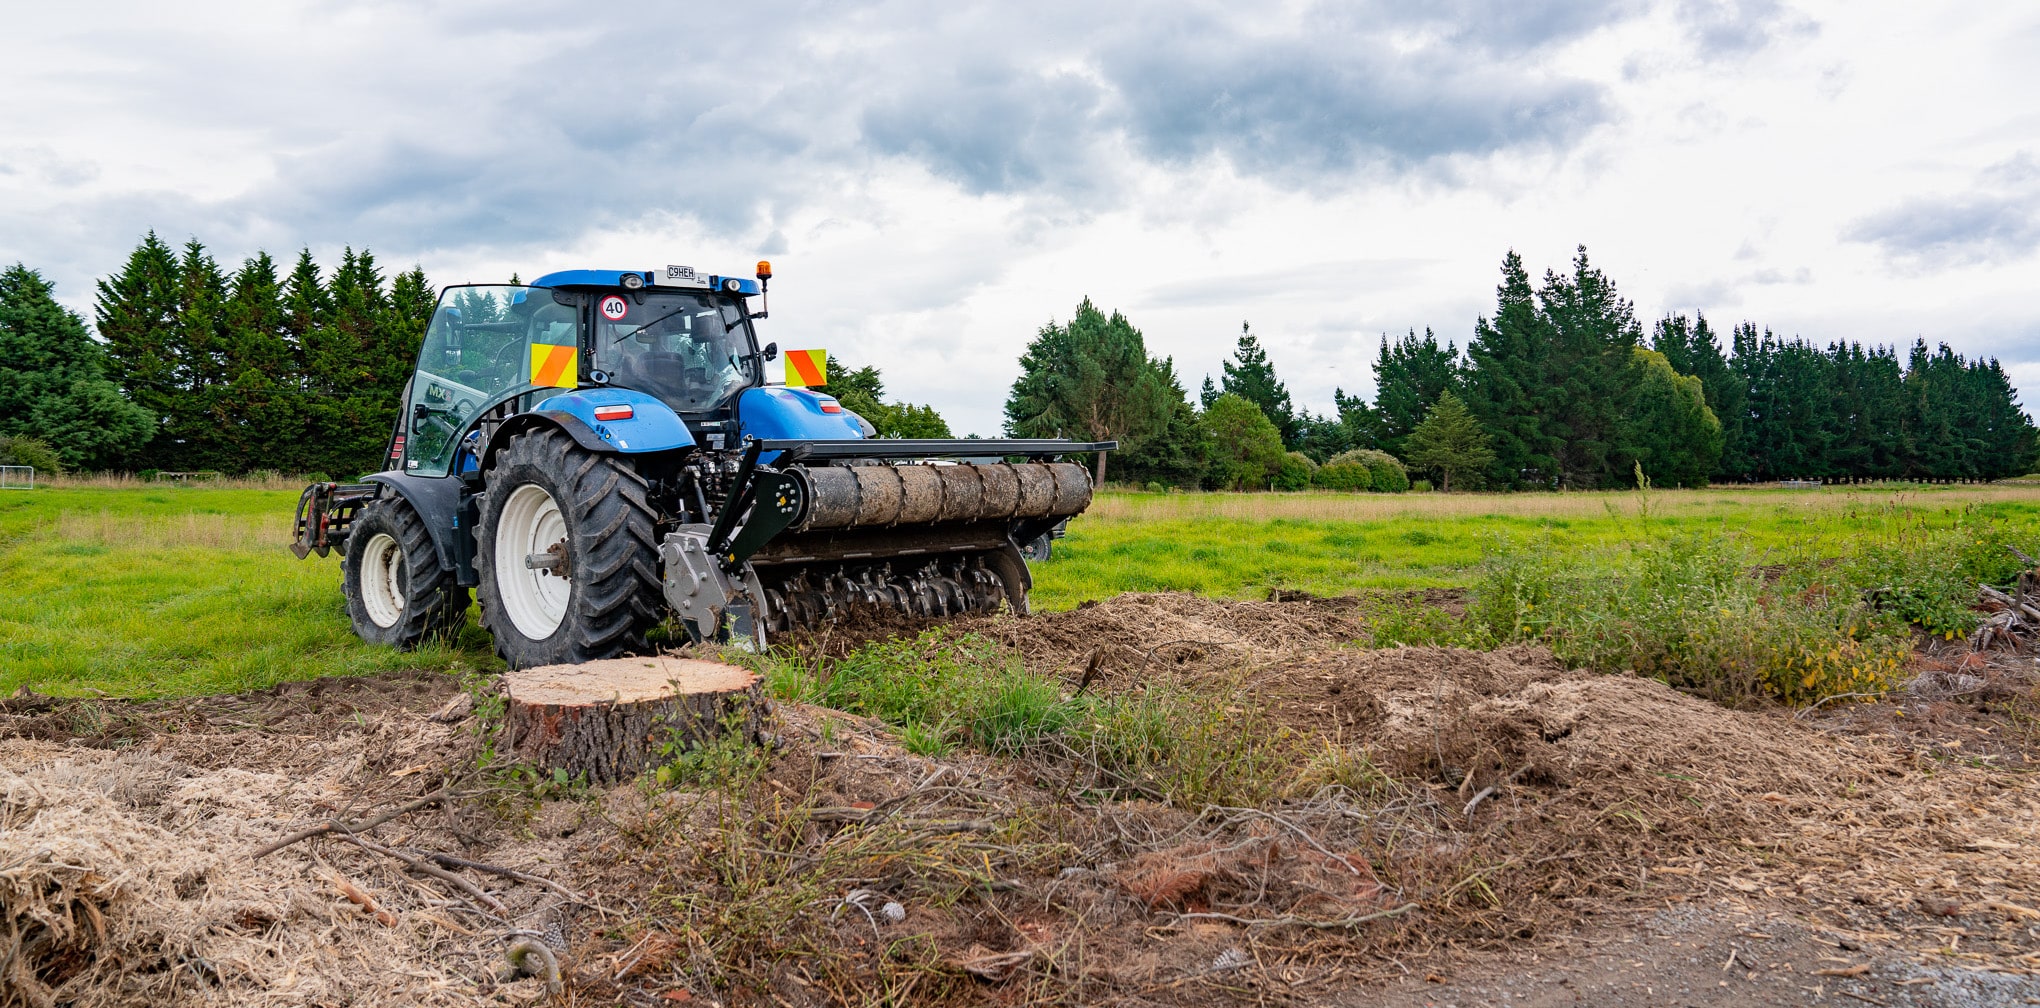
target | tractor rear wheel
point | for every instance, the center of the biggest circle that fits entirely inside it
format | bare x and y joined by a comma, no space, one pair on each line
566,553
397,592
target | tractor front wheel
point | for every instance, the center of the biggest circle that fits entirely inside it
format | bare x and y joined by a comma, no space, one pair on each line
566,553
397,592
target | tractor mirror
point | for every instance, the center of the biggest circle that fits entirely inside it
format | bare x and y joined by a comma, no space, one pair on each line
771,351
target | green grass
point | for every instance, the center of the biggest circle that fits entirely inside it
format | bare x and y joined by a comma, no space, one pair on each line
1242,545
167,590
156,590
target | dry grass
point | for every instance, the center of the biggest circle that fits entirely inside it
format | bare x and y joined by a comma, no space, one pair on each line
206,531
1326,506
260,480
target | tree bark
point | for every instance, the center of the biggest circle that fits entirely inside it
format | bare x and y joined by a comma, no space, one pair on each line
614,718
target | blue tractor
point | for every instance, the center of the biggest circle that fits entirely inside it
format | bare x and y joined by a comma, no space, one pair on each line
599,451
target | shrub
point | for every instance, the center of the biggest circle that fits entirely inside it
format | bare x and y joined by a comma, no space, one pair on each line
1246,447
1421,486
1392,478
1698,614
22,450
1386,473
1337,475
1295,472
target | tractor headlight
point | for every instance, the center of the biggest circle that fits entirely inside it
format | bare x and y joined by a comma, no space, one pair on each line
632,281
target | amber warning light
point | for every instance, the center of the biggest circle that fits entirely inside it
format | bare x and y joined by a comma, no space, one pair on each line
764,269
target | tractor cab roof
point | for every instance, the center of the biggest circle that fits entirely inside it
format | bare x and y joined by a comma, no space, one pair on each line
673,277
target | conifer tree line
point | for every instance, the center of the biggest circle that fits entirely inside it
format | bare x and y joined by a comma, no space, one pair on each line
198,367
201,367
1560,388
259,369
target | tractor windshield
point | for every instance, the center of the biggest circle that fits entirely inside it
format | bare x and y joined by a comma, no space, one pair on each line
477,353
692,351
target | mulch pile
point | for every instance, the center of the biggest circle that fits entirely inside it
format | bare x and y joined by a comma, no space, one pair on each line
1467,799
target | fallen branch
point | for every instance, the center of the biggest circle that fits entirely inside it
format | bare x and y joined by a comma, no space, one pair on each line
336,826
420,866
451,861
1325,925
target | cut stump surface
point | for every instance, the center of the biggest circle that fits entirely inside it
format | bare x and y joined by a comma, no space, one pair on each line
614,718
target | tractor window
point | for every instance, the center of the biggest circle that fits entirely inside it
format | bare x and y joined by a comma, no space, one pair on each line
476,353
692,351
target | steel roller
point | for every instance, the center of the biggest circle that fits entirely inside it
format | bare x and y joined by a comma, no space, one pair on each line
842,497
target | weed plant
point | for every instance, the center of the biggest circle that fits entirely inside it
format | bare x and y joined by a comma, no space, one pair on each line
943,690
1712,614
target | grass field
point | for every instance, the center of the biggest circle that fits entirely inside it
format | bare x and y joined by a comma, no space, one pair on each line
152,590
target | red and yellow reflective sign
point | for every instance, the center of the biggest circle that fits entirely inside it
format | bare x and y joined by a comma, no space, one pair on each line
554,366
807,367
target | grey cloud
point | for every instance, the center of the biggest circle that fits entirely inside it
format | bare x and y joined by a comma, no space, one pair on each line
1497,26
1739,27
452,129
989,128
1996,221
1308,108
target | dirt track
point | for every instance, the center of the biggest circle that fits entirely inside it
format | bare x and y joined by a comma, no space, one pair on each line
1534,836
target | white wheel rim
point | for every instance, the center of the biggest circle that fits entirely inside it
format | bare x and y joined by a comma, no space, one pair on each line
536,600
382,574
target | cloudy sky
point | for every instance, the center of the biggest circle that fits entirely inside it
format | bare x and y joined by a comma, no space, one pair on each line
934,181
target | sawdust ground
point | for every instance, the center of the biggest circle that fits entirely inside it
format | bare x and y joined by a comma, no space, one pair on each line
1572,797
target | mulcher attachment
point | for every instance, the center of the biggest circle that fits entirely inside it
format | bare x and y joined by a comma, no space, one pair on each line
821,542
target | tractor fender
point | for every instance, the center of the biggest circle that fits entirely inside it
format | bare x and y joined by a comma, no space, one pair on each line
653,426
436,499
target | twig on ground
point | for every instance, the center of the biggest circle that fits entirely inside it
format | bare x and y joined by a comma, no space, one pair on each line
1325,925
420,866
451,861
357,896
1491,788
1810,708
336,826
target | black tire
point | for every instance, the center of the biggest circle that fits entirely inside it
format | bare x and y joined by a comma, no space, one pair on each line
609,546
415,598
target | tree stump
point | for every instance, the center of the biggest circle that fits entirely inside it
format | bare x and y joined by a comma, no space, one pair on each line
614,718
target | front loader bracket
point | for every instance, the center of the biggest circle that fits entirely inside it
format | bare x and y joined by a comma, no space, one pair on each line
324,511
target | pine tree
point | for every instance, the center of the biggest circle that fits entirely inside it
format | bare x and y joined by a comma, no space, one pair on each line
251,414
1508,364
1409,375
2009,445
1251,376
1585,393
136,314
197,426
1093,379
53,383
1449,441
1178,453
1362,425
